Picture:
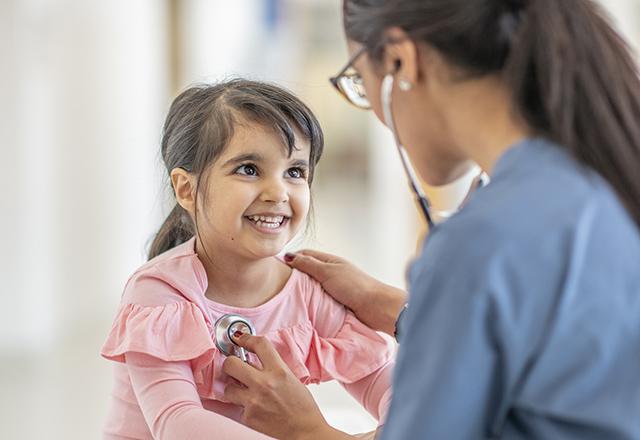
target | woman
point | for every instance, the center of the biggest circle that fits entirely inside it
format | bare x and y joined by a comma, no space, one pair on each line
523,317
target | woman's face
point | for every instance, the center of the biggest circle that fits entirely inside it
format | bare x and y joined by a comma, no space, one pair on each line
421,127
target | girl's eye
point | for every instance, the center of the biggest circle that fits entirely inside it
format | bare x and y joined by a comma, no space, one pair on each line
247,170
297,173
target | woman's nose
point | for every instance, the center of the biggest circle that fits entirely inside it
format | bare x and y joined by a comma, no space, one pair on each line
275,191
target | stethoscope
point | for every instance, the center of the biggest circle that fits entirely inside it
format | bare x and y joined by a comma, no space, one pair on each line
479,181
226,328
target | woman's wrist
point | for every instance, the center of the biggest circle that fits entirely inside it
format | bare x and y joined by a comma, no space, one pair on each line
383,304
397,301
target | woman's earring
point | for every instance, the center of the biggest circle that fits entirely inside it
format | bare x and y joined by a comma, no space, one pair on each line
404,85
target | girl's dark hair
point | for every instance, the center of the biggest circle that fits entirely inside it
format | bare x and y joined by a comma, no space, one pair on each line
201,123
572,77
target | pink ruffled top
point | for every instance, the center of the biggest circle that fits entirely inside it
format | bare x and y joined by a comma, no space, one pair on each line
165,321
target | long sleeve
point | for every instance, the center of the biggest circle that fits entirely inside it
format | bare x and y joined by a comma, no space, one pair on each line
344,349
449,370
360,359
373,392
468,336
167,395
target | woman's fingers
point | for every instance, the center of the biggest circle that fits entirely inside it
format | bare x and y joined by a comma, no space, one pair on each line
263,348
320,256
318,265
236,394
308,264
240,371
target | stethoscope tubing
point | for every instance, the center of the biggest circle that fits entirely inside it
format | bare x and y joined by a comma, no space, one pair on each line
423,202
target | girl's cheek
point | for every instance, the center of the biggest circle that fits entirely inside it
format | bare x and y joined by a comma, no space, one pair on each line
306,201
303,201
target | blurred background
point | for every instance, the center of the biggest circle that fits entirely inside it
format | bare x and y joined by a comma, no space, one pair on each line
84,89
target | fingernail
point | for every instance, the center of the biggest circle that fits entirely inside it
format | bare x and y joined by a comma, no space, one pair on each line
237,334
288,257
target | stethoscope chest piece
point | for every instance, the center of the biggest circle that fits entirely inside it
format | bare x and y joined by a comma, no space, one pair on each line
228,325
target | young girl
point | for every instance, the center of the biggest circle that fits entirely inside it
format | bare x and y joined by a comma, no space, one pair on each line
241,157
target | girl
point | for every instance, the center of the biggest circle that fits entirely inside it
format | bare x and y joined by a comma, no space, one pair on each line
241,156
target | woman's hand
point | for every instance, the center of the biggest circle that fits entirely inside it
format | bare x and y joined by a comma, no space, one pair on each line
374,303
274,401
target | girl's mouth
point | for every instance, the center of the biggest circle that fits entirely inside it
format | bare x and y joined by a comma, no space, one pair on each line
265,223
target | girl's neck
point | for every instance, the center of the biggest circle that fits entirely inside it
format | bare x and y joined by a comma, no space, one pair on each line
242,282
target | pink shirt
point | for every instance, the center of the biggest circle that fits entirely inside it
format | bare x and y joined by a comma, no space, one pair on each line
168,376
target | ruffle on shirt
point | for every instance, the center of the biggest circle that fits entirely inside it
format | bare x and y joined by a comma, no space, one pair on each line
353,353
179,332
171,332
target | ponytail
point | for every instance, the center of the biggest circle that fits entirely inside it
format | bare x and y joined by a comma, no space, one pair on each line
176,229
575,82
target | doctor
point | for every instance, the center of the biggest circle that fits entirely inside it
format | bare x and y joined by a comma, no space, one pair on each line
523,317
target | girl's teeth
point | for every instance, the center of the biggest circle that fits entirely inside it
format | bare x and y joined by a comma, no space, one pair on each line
266,221
268,225
262,218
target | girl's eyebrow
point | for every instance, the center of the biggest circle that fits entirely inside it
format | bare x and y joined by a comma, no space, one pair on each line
250,157
255,157
300,163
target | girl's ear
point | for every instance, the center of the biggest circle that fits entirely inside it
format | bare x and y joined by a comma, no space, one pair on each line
184,186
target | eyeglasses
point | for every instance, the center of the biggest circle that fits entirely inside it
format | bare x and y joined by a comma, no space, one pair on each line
349,83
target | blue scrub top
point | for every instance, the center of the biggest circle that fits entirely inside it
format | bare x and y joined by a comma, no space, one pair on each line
524,312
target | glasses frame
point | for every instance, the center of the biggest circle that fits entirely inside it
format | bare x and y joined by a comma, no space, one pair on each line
335,80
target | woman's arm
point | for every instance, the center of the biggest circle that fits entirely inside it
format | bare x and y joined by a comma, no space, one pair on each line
167,395
373,302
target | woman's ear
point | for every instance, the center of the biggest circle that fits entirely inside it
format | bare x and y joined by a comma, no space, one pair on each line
184,186
401,58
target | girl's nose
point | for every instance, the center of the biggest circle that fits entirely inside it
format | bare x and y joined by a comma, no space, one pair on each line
275,191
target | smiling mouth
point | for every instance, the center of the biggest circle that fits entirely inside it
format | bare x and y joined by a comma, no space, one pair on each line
268,222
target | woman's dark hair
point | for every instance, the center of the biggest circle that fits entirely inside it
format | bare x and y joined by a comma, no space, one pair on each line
572,77
201,123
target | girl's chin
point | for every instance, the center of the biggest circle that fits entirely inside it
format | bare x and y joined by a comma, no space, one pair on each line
261,252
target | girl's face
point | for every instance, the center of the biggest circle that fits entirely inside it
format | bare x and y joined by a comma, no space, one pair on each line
255,197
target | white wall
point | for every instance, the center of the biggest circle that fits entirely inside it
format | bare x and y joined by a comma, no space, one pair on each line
83,89
82,100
